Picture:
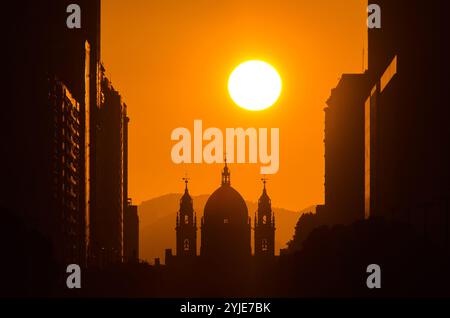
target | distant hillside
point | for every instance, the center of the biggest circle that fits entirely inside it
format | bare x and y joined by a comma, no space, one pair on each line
157,224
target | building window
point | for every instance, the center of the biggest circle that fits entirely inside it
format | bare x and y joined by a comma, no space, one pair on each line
265,246
186,245
264,219
225,221
186,219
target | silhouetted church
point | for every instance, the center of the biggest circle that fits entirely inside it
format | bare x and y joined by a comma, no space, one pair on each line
225,227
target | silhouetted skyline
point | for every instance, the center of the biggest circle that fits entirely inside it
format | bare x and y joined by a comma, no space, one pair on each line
67,169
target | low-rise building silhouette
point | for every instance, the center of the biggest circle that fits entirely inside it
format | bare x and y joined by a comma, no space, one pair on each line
131,233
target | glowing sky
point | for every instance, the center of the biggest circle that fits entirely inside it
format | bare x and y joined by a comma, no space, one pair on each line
171,61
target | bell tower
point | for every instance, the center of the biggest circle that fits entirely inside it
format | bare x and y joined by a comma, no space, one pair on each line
186,228
264,225
226,175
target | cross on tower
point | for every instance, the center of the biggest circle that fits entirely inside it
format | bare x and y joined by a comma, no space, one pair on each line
186,179
264,180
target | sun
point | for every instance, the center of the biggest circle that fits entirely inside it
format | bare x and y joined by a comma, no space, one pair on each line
254,85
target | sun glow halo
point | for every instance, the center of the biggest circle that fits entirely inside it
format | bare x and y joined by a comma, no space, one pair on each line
254,85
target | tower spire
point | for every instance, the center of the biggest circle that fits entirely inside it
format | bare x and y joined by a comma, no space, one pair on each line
186,181
265,226
186,225
226,172
264,180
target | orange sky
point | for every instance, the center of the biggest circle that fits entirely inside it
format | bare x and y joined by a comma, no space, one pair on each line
171,60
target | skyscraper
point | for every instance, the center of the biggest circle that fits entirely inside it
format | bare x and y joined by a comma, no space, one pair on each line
106,227
344,150
407,153
51,91
67,175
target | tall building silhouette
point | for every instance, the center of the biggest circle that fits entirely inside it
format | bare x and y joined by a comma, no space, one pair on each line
186,226
67,173
264,226
52,96
407,154
344,150
111,197
386,136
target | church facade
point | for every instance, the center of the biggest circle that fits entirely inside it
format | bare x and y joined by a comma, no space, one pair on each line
225,228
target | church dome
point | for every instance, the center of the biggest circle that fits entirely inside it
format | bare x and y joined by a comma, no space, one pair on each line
225,224
226,204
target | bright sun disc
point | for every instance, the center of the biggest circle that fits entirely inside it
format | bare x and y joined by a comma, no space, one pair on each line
254,85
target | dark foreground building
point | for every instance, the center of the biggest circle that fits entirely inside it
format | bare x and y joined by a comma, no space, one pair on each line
344,150
111,198
392,146
386,137
49,127
53,175
407,136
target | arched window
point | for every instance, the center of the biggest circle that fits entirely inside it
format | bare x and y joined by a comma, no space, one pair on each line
186,219
265,246
264,219
186,245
